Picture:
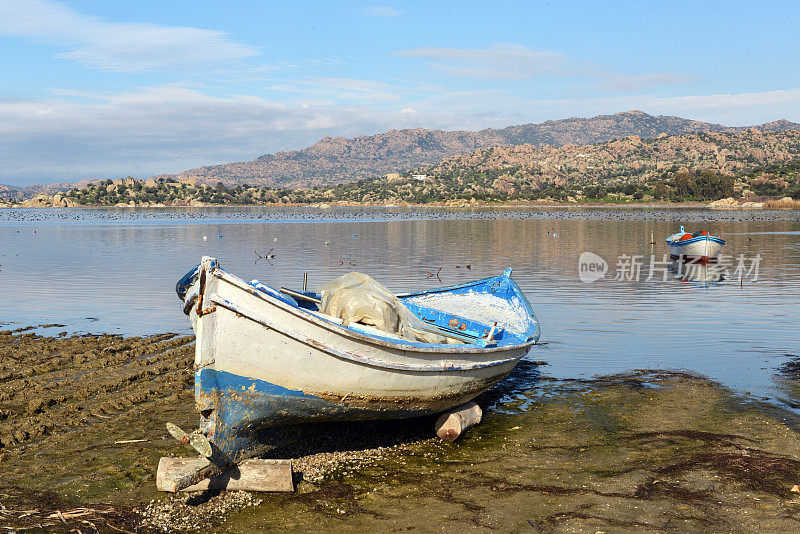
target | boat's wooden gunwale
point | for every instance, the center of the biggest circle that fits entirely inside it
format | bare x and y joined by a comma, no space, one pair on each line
444,289
680,243
410,346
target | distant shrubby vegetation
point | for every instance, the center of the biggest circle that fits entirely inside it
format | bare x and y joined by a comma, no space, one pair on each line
457,185
694,185
703,166
775,180
130,191
503,185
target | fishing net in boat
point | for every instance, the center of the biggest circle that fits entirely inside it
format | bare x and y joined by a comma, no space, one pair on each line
357,298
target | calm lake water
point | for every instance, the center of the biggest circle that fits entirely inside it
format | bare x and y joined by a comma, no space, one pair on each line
114,270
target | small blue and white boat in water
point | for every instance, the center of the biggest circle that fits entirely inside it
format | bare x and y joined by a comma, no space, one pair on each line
269,359
699,247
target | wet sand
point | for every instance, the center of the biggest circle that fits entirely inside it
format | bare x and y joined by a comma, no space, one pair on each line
82,427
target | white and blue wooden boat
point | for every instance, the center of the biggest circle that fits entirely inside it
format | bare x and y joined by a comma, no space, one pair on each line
266,361
698,247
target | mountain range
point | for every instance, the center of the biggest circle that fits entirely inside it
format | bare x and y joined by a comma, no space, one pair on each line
335,160
625,160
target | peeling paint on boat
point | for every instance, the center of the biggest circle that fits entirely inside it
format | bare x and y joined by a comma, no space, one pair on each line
478,306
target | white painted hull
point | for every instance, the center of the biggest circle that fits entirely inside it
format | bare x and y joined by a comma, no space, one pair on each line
236,343
698,248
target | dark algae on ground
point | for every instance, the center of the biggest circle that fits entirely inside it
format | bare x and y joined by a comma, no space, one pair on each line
82,427
645,452
67,407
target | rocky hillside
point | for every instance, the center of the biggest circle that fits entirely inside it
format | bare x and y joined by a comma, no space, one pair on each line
605,127
339,160
336,159
628,159
13,193
583,131
10,192
746,167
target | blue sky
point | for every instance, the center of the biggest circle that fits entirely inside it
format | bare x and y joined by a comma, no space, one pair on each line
95,89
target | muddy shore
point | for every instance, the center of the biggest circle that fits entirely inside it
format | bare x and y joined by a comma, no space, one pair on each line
82,428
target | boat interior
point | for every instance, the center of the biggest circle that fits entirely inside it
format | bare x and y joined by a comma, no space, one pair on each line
683,235
492,312
485,312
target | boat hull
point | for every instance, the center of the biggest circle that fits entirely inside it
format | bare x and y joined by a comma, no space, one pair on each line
263,367
700,249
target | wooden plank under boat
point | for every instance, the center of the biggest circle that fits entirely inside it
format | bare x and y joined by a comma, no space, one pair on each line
698,247
266,362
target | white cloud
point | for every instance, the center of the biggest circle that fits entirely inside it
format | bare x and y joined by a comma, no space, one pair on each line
738,109
383,11
500,61
116,46
629,83
356,89
162,129
790,97
352,89
508,61
496,108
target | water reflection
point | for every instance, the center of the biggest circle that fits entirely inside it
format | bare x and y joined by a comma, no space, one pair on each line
706,274
119,267
515,389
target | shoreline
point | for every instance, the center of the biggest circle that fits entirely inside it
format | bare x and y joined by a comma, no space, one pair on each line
682,450
752,206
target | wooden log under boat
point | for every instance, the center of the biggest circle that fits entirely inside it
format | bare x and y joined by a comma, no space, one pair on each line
250,475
